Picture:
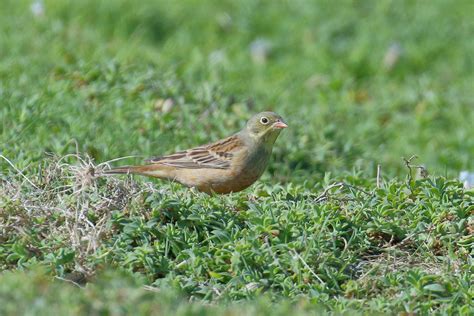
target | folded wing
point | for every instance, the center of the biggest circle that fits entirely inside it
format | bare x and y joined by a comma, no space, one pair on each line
217,155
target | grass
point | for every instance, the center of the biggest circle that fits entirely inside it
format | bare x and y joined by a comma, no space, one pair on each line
360,83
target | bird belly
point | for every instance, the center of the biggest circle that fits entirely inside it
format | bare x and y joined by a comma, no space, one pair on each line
235,179
234,182
214,180
219,181
243,173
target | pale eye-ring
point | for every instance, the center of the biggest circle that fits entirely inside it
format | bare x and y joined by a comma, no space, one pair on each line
264,120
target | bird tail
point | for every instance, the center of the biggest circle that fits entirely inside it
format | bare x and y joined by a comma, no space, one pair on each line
147,170
122,170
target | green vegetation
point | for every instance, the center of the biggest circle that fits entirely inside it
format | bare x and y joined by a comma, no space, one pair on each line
361,84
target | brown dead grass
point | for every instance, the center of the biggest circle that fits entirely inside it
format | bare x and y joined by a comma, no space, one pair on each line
66,204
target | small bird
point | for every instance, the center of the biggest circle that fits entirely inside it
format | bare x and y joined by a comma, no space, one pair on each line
228,165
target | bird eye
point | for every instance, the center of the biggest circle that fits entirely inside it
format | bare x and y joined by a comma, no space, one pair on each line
264,120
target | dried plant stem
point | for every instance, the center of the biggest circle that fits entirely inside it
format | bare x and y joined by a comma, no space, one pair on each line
18,171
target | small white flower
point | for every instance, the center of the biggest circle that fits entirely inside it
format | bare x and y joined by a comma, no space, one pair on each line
37,8
467,178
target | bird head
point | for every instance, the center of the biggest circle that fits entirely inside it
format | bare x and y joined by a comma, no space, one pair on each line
265,127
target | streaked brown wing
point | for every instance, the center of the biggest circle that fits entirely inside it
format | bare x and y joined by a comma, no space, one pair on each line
213,156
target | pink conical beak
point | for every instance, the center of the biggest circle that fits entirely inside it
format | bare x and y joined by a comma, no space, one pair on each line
279,124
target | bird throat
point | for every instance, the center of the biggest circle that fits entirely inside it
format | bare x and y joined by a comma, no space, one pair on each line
264,140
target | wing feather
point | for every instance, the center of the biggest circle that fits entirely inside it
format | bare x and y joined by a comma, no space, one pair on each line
217,155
